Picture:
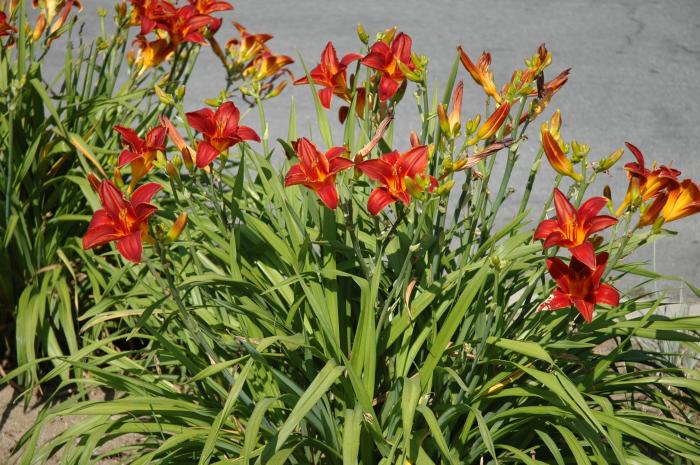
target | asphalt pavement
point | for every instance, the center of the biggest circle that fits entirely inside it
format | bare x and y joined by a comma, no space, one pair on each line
635,76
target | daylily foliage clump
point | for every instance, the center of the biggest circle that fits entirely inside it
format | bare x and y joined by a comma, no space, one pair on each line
378,298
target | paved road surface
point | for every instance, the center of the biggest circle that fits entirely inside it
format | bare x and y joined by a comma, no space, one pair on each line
635,72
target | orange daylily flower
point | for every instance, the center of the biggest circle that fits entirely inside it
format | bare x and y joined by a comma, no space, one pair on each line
579,285
248,46
555,155
153,53
140,152
56,9
121,220
683,200
151,14
399,174
450,125
330,73
480,72
266,65
390,60
188,25
220,130
644,183
317,171
206,7
571,228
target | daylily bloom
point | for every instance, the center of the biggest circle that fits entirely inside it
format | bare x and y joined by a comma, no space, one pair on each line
248,46
555,155
152,14
58,9
140,152
480,72
188,25
391,62
317,170
492,124
571,228
153,53
220,130
331,74
578,285
121,220
5,28
266,65
206,7
450,125
682,201
644,183
400,176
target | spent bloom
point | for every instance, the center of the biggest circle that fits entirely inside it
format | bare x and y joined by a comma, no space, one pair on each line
220,130
140,153
571,228
578,285
392,61
330,73
450,124
121,220
317,170
400,176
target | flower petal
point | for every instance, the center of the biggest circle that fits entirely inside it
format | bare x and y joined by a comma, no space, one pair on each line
598,223
545,228
376,169
585,253
387,88
202,121
205,154
130,247
325,96
246,133
591,207
607,295
555,301
295,176
566,213
378,199
145,193
415,161
328,195
112,198
585,308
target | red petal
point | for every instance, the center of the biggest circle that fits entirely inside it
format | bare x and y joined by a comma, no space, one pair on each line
130,247
155,138
601,262
546,228
335,152
325,95
112,198
387,88
415,161
555,301
339,164
591,207
129,137
565,211
378,199
637,154
295,176
127,156
599,223
328,195
205,154
145,193
246,133
377,169
229,115
401,46
585,308
202,121
349,58
585,253
556,238
607,295
329,58
559,272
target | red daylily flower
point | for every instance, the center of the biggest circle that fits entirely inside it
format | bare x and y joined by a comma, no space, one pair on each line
644,183
317,170
399,174
206,7
386,59
571,228
248,46
152,14
140,152
330,73
578,285
153,53
220,130
188,25
5,28
121,220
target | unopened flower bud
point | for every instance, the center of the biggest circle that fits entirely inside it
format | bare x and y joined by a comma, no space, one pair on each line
180,93
607,163
172,171
94,181
472,125
446,187
39,27
118,178
177,227
277,90
362,35
415,142
165,98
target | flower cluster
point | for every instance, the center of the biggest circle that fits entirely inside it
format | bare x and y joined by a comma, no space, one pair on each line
172,26
53,14
659,192
126,220
249,58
